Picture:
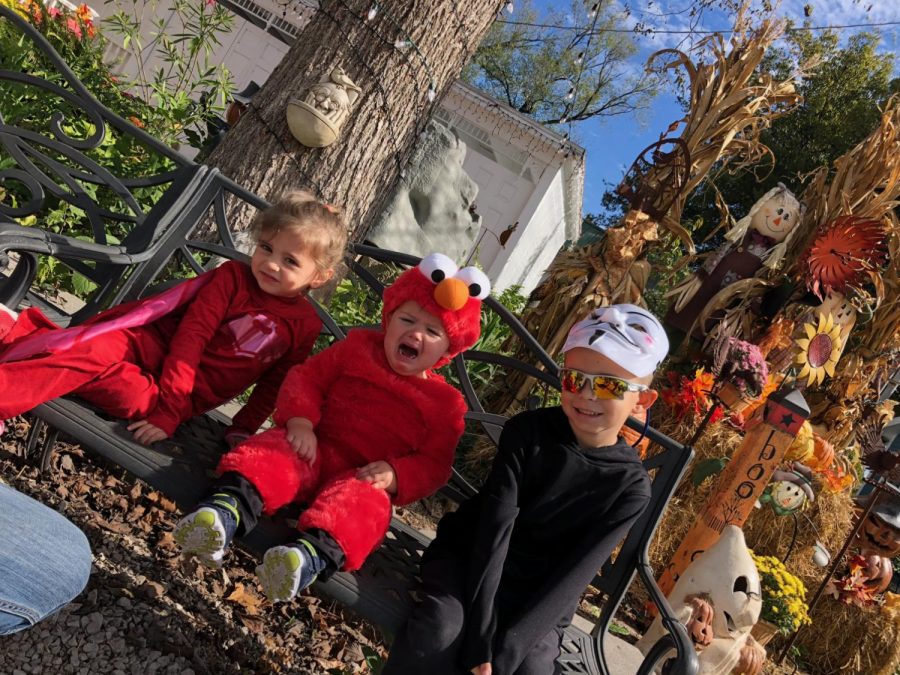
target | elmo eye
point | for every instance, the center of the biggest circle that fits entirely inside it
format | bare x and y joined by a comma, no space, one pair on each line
437,267
477,281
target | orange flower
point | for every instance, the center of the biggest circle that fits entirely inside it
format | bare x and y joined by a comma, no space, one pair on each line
136,121
836,479
84,13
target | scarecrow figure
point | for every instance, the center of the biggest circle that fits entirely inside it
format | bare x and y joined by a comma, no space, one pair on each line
758,239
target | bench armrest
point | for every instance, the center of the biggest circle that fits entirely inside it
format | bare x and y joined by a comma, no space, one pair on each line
30,242
685,661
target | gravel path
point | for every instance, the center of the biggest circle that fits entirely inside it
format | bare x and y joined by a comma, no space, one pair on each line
147,611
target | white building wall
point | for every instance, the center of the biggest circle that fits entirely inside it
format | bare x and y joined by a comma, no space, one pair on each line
537,239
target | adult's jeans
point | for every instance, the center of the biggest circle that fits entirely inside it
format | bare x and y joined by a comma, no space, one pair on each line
45,561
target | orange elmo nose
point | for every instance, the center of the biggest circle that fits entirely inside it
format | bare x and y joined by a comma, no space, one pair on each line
451,294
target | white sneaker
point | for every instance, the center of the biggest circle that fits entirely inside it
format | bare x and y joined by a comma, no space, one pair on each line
281,572
202,534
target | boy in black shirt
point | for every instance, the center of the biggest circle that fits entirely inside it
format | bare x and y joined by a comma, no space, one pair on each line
506,571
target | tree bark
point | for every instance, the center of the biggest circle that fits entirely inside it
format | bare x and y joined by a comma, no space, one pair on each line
360,169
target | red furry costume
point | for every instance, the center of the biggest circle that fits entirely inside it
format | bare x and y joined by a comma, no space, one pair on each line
165,358
363,411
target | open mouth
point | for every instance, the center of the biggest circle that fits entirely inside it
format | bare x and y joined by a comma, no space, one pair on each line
408,352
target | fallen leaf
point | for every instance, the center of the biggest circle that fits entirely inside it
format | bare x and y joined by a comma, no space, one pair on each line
246,598
253,623
166,541
135,492
136,512
113,526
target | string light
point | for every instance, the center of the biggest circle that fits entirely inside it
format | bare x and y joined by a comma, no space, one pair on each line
432,93
594,9
402,44
579,59
510,7
571,95
372,13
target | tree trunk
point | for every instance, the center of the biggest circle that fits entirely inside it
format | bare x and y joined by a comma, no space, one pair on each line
360,169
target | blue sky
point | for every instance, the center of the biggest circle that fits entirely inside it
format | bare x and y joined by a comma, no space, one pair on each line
613,143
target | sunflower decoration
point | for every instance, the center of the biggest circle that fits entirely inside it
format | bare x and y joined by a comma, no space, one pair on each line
819,350
844,253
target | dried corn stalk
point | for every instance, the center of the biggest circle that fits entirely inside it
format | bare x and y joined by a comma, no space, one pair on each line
729,106
864,182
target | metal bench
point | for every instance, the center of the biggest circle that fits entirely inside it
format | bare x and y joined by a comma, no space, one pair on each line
183,232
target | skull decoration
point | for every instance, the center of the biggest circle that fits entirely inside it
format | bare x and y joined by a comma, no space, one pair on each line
725,578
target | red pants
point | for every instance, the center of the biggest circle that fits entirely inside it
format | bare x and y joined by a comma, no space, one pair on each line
116,371
354,513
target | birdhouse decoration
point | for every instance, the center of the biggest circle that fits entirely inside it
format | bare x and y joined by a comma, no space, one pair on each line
317,119
759,239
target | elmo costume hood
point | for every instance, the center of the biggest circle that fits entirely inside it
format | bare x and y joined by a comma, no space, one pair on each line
453,295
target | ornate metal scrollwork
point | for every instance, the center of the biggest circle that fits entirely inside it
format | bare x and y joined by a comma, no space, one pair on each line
45,164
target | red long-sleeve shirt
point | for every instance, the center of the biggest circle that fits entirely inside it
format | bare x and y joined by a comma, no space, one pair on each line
229,336
363,411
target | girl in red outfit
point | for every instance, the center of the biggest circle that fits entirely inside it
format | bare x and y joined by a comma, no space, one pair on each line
163,360
361,425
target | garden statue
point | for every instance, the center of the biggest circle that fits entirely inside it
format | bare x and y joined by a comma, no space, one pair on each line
870,572
760,238
718,598
316,120
433,207
790,490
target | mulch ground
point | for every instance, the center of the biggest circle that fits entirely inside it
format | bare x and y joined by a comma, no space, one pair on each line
149,611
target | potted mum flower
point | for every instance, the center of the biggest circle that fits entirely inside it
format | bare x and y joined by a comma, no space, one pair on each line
784,607
741,371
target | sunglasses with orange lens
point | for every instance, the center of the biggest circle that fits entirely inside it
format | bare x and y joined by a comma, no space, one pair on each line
605,387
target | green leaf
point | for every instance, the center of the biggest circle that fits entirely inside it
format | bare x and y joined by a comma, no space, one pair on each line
618,629
708,467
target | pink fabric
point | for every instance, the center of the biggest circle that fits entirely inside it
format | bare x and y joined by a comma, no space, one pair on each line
142,314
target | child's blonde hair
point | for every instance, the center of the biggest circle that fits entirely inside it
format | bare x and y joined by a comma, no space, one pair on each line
322,231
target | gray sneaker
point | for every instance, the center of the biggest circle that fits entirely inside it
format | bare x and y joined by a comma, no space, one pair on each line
287,570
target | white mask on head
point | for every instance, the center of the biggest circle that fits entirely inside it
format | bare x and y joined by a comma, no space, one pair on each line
625,334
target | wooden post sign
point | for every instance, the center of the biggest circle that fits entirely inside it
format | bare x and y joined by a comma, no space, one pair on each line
743,480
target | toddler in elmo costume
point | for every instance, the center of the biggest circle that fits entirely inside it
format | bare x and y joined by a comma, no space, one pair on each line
361,425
